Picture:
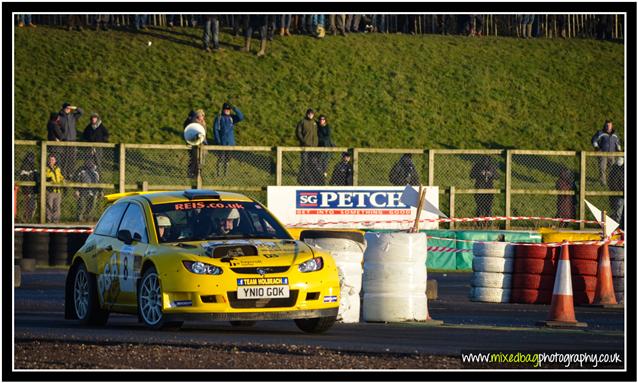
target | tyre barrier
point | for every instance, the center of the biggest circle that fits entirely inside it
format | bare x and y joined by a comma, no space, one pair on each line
27,265
618,268
534,274
347,251
584,267
17,276
17,247
584,252
390,258
492,267
58,249
36,246
617,255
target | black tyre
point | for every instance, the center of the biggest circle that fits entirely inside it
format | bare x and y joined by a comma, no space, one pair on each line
315,325
242,323
85,301
36,245
17,247
149,302
58,249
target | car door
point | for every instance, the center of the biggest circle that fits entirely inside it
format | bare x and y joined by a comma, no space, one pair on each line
106,249
129,259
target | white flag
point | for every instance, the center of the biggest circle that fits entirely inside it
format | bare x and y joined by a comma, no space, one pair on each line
610,224
410,197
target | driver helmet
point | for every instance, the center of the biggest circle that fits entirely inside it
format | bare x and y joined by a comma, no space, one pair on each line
163,221
223,214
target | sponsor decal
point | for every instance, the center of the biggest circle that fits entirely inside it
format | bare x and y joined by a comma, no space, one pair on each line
330,298
207,205
262,281
350,202
182,303
127,275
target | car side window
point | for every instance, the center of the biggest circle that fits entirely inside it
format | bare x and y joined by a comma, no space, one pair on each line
133,221
107,225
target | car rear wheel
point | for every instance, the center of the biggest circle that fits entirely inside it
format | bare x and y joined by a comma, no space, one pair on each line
85,301
315,325
242,323
149,302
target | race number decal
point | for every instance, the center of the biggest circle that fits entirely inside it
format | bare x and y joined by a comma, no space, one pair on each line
127,264
108,282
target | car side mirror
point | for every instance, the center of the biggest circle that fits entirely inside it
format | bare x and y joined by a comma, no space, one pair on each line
125,236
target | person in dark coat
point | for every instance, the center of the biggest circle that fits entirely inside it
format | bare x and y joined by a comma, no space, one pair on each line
28,172
307,134
484,172
256,23
404,172
606,140
86,197
616,183
69,116
566,204
342,173
54,128
95,131
325,141
224,133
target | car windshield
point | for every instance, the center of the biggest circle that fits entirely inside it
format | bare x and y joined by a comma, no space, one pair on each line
203,220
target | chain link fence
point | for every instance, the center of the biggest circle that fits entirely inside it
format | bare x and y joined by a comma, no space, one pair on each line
472,183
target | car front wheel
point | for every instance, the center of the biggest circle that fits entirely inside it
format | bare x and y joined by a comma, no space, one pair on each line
315,325
149,301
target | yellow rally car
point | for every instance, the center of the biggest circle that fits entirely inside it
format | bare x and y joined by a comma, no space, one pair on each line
199,254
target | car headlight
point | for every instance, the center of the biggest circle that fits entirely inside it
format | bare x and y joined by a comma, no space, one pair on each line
202,268
314,264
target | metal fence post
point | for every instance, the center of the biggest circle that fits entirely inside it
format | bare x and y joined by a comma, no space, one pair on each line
582,187
452,196
279,165
122,168
43,181
200,156
355,167
431,153
508,188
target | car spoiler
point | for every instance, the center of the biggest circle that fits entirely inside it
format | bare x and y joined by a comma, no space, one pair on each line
110,198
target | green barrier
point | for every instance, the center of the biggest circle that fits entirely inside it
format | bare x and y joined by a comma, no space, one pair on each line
440,259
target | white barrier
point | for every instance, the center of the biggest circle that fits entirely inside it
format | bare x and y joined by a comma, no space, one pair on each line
492,267
348,256
395,277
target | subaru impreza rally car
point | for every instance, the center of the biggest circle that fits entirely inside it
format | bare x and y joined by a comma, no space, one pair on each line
168,257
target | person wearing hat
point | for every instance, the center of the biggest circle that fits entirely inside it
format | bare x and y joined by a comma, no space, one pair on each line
95,131
224,133
342,173
54,194
307,134
163,228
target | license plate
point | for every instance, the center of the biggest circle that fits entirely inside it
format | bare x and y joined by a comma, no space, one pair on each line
261,292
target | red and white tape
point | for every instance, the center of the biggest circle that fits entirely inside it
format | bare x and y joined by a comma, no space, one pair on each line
46,230
442,249
545,244
444,220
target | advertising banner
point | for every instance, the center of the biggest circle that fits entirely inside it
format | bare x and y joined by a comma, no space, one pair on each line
348,207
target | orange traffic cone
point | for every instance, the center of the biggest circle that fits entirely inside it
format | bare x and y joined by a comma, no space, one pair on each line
605,296
561,313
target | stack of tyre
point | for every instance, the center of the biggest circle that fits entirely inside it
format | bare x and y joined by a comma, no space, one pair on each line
347,250
584,266
58,249
617,256
395,277
534,274
492,267
36,246
17,258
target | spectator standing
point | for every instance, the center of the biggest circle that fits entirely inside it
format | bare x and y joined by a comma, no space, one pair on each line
284,24
95,131
28,172
75,21
617,183
566,204
259,23
102,21
86,197
337,23
325,141
526,25
25,19
194,162
54,194
484,172
318,22
404,172
224,133
307,135
211,28
69,116
342,173
606,140
140,22
54,128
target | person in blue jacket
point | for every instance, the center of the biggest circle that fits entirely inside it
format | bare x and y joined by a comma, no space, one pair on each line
224,133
